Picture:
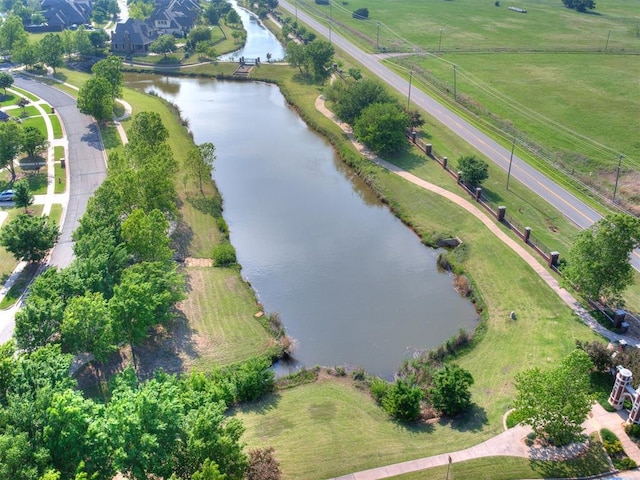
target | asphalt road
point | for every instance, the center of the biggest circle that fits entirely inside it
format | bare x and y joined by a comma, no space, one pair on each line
569,205
85,160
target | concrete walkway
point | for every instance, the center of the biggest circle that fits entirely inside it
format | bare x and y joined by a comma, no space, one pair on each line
521,250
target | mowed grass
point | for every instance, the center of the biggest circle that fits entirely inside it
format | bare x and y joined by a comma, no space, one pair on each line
573,102
220,308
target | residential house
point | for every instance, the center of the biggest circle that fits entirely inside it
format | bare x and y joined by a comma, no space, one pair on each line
132,36
170,17
61,14
3,116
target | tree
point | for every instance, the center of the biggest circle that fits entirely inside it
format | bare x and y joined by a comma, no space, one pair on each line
199,162
402,400
164,44
351,98
319,55
111,70
147,129
34,142
82,43
12,33
26,53
450,393
295,55
146,236
98,38
473,170
10,146
209,471
6,80
599,258
51,50
580,5
197,35
22,195
556,402
381,127
29,238
95,98
86,326
232,17
263,465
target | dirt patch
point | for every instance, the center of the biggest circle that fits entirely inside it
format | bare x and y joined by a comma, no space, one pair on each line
198,262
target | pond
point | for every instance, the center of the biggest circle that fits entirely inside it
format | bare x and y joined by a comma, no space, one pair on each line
352,284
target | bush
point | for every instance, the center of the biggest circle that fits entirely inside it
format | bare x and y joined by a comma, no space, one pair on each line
633,430
379,388
224,255
361,14
403,400
223,228
625,464
263,465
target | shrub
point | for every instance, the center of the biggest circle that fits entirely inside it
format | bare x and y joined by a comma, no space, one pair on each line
263,465
379,388
224,255
625,463
403,400
633,430
223,228
361,14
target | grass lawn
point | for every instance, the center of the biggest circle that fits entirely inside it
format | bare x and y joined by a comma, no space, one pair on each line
24,93
24,113
37,122
57,127
56,213
220,308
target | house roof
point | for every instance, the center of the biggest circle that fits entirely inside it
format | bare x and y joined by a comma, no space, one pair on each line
138,32
3,117
66,12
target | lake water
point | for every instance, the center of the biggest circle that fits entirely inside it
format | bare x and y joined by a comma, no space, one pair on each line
260,40
352,284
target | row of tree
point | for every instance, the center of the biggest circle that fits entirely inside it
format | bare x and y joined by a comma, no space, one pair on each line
15,139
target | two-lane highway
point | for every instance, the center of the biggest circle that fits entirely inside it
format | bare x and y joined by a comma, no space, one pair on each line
568,204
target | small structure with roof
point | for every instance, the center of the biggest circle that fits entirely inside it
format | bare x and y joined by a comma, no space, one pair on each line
622,390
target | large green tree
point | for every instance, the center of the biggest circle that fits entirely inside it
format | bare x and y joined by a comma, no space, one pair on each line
164,44
555,402
22,196
350,98
382,127
29,238
111,70
51,50
10,146
319,55
599,264
146,236
6,80
199,162
451,392
12,33
95,98
34,142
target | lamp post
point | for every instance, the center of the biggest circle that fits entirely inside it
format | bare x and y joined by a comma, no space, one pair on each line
513,146
615,188
330,34
378,37
409,94
606,45
296,11
455,86
440,41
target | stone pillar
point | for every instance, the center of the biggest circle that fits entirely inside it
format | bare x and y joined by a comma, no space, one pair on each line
527,234
445,161
623,379
634,414
553,259
501,211
478,192
459,179
428,148
413,136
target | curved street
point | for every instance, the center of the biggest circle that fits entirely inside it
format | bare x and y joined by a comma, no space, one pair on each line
85,160
568,204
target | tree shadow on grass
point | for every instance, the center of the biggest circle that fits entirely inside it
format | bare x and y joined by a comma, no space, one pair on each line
263,406
414,428
207,205
472,420
407,158
181,239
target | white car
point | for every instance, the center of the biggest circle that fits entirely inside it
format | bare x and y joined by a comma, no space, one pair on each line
6,196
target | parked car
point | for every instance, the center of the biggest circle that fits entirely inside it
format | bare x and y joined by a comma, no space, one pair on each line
6,196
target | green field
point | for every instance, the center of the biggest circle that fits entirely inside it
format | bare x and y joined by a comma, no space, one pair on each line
561,81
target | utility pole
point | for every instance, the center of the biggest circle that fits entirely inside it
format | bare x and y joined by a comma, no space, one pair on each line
378,38
330,33
455,88
606,45
615,188
513,146
440,41
409,95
